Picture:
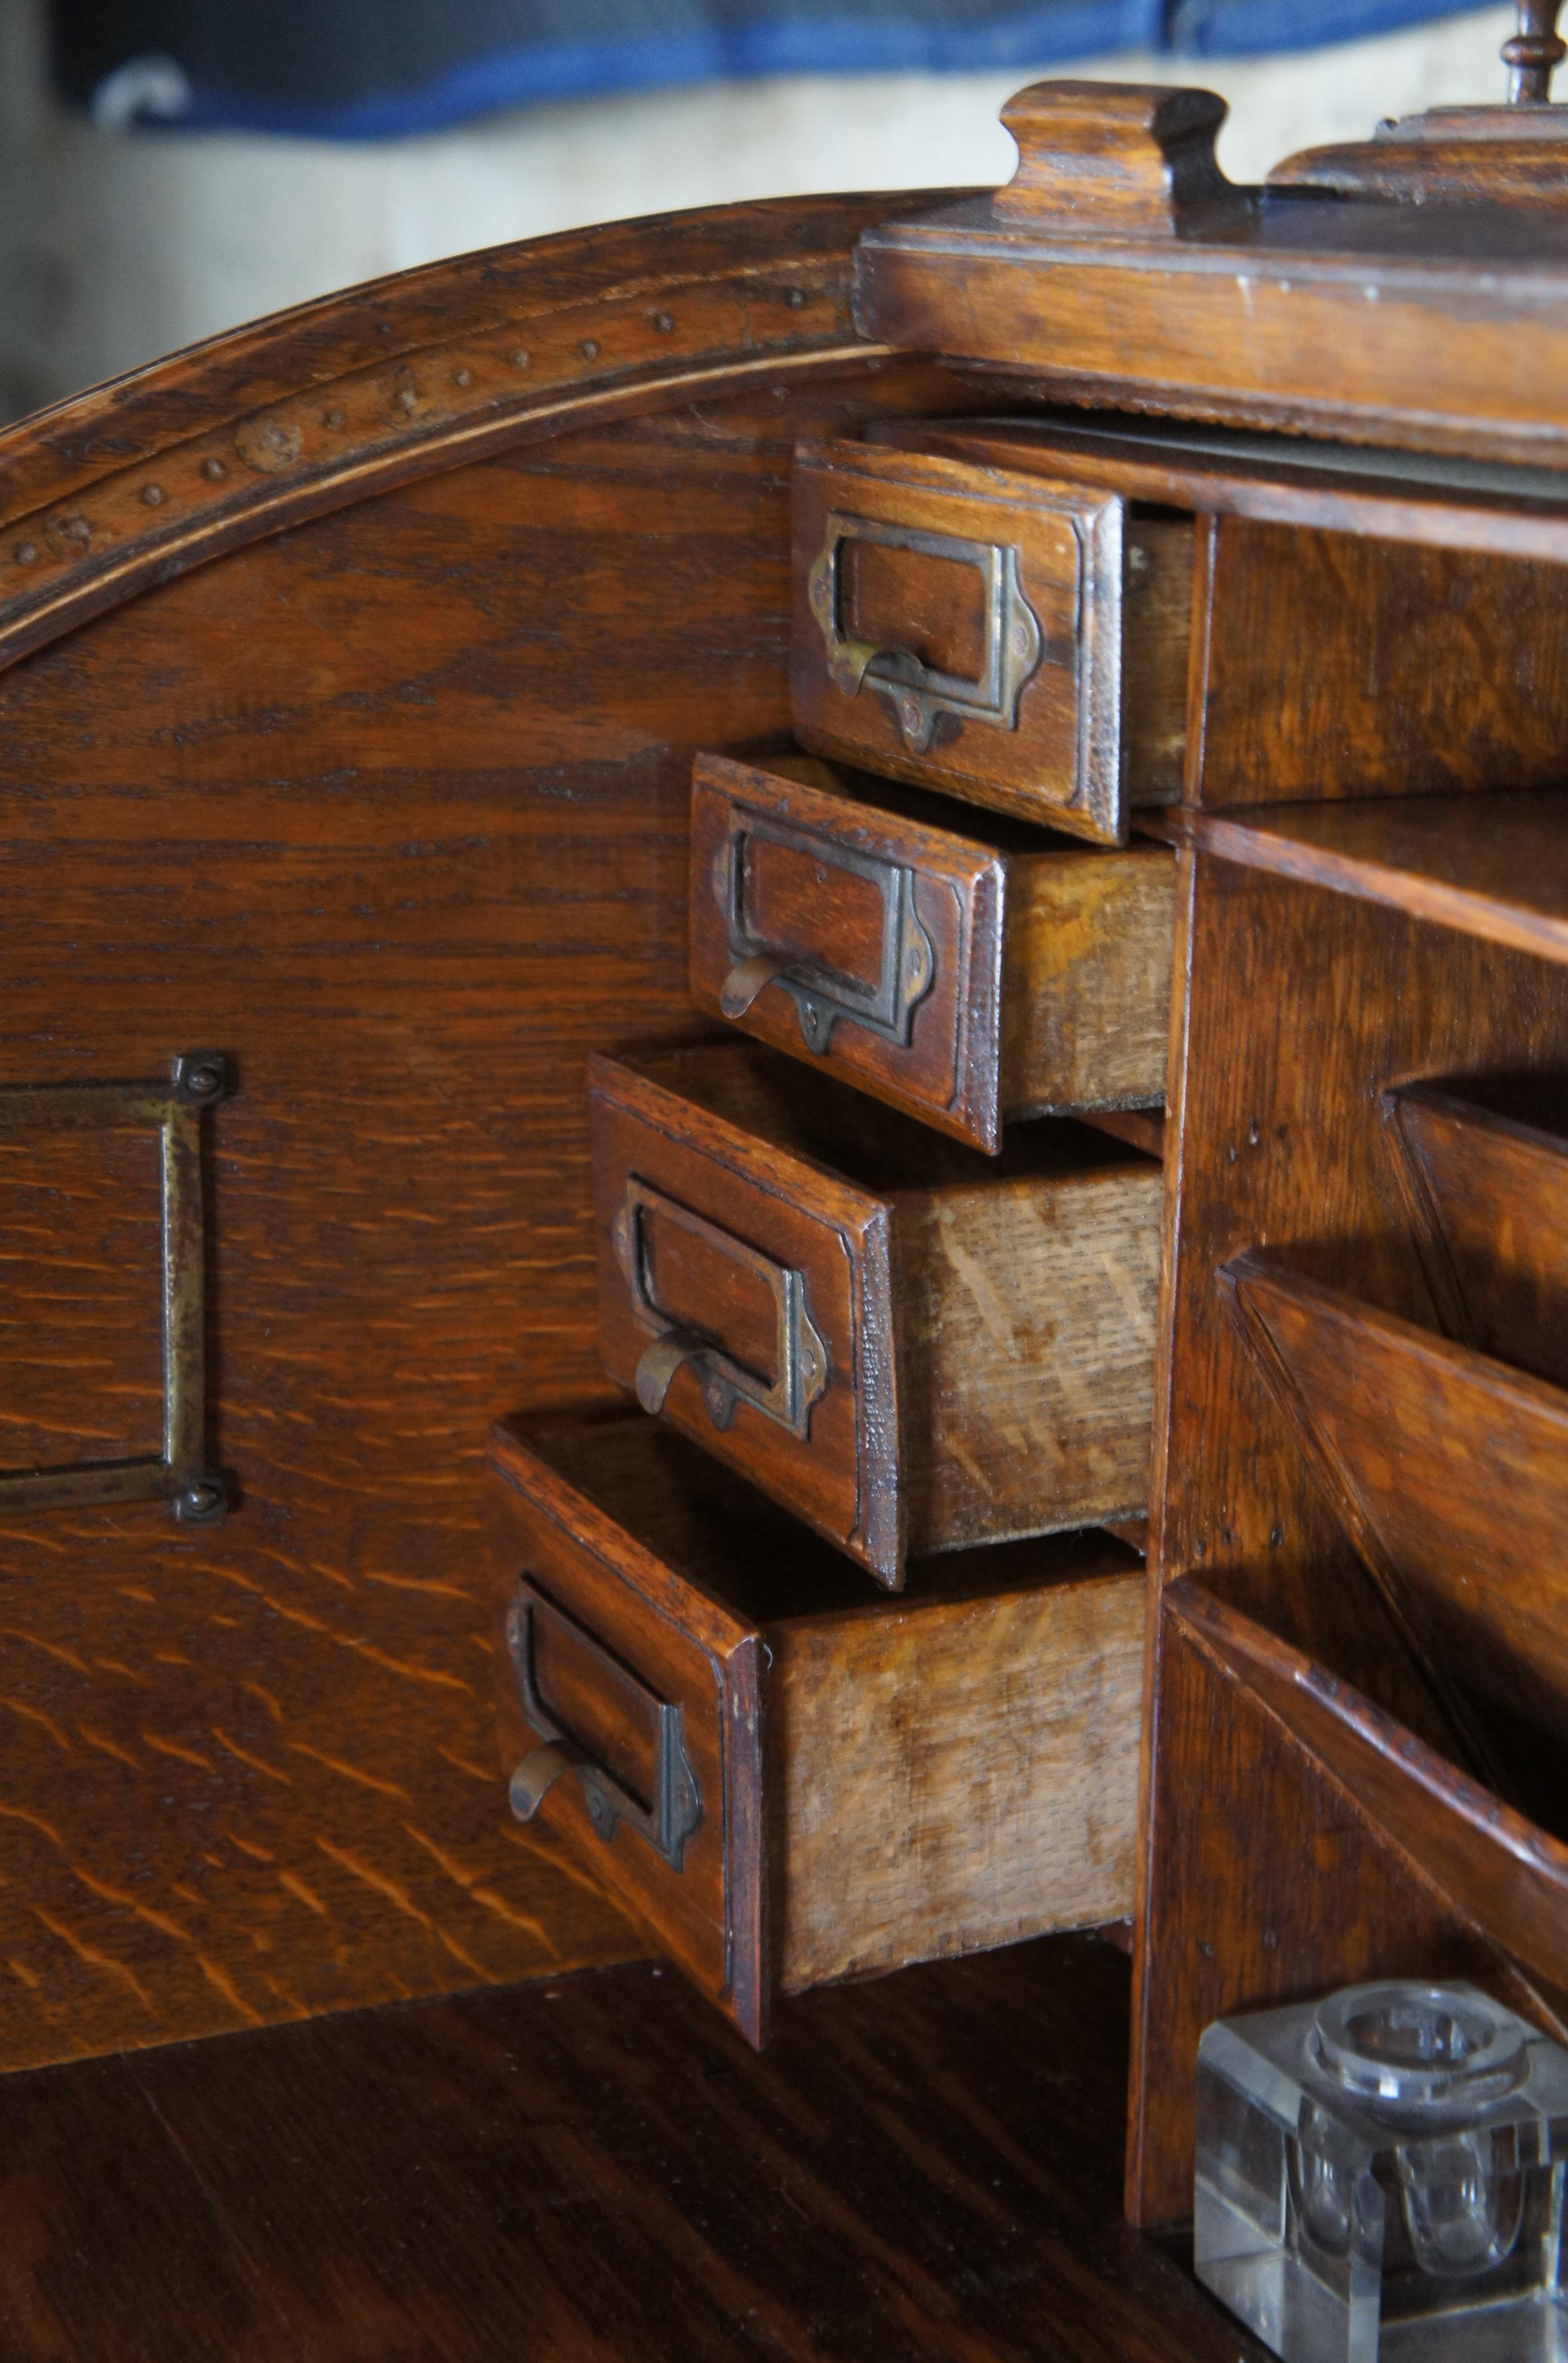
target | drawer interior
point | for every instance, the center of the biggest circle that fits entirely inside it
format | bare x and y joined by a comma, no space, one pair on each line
808,1113
752,1558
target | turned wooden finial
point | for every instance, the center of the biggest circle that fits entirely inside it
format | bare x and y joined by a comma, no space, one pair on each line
1534,54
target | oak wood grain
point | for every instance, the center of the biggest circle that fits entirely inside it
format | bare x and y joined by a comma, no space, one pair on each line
1499,1874
881,1782
1487,1187
1456,1491
1302,1007
1424,327
1305,1859
598,2168
393,804
1027,1345
1053,748
1494,868
953,1779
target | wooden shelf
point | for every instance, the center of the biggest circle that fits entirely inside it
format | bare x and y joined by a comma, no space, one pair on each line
1448,1469
1494,1869
1490,865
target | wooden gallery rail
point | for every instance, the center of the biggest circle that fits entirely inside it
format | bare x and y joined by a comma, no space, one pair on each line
869,886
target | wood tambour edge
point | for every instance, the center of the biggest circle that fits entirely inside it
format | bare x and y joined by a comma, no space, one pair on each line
1497,1870
1492,864
1517,512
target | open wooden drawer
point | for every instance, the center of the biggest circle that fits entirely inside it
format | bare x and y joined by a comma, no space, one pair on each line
787,1781
912,1346
1006,636
964,977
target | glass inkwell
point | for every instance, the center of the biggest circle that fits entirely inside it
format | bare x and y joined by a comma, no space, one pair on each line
1382,2174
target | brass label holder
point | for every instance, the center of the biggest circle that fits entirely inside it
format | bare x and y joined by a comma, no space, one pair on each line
801,1359
181,1474
676,1808
919,693
908,962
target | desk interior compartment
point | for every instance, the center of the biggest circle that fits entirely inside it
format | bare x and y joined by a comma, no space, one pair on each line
865,1781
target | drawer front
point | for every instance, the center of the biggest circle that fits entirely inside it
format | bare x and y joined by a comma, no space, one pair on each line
746,1294
644,1692
841,932
962,626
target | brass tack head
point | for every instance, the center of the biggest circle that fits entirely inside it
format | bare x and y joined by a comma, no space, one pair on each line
522,358
463,377
152,494
795,299
589,348
332,418
662,323
200,1504
26,552
406,398
213,470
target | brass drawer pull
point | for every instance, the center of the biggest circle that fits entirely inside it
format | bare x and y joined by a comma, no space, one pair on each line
674,1809
537,1775
800,1361
905,963
1011,634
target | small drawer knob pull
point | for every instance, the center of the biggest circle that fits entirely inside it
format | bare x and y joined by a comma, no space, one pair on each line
537,1775
745,981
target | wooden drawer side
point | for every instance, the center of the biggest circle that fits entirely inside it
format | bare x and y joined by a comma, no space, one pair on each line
1029,1342
954,1777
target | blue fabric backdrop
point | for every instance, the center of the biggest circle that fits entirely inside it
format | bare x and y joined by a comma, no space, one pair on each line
381,68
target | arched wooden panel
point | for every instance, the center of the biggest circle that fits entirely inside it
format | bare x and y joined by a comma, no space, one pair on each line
387,806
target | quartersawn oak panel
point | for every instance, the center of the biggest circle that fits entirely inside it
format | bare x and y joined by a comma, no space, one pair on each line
1322,1845
80,1295
1456,1491
1344,665
1280,1138
390,809
1488,1190
954,1777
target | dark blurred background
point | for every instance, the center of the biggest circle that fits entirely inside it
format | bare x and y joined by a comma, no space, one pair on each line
171,167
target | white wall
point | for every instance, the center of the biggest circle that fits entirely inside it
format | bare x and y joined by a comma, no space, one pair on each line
115,248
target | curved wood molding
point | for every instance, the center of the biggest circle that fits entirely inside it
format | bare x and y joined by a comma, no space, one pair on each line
138,480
